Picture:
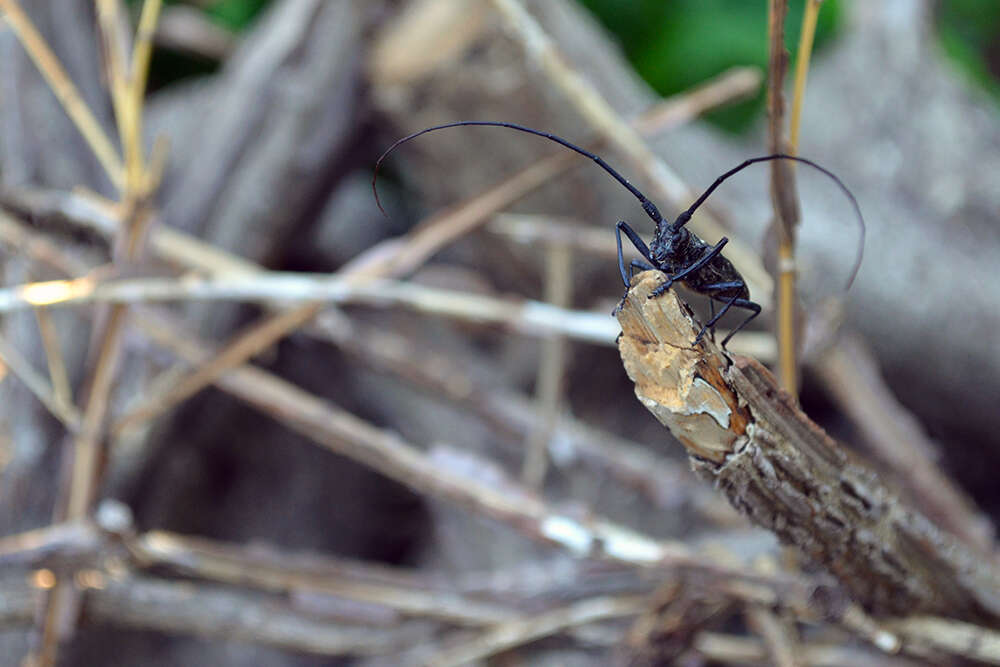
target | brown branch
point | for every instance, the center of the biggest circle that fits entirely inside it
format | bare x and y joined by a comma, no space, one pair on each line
893,435
663,482
344,433
220,613
518,632
785,201
779,638
278,571
56,404
729,649
787,475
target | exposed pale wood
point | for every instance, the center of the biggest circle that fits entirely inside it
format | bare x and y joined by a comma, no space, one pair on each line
780,469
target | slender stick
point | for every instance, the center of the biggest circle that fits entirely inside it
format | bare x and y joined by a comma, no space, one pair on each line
58,375
142,53
37,385
511,634
786,214
549,379
65,91
809,18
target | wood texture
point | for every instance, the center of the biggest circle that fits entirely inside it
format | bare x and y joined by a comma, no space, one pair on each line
785,473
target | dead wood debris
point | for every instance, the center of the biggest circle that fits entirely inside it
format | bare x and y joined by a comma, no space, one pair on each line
781,470
561,567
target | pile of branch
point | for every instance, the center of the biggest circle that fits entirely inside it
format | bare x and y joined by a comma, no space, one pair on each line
174,463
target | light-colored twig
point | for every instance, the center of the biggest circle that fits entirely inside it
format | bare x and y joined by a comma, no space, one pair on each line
664,483
972,642
189,29
113,38
64,90
804,55
37,385
142,53
549,379
346,434
58,375
732,85
283,572
782,647
730,649
530,317
511,634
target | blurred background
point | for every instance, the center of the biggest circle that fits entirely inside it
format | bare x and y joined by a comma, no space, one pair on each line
269,117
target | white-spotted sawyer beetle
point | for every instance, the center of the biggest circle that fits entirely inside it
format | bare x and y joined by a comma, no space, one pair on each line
674,250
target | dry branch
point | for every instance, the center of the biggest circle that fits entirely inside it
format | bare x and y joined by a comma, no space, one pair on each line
527,629
786,474
850,372
532,317
663,482
277,571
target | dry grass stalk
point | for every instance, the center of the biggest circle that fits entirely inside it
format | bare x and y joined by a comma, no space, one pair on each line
67,94
511,634
58,375
53,401
552,369
783,195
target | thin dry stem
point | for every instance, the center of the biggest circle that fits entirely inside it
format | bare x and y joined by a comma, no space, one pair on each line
58,375
511,634
782,647
65,91
806,37
109,19
786,215
283,572
142,53
60,408
549,380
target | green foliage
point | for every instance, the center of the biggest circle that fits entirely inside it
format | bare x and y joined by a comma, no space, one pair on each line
969,32
169,66
675,45
235,14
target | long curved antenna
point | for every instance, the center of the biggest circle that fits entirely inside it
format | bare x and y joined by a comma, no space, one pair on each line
684,217
647,205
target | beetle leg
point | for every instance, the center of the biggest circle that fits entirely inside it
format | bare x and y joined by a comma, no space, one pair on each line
734,302
639,244
705,259
639,264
